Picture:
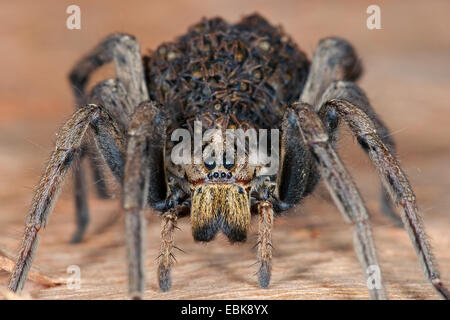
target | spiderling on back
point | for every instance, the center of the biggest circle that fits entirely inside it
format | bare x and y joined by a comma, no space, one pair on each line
244,74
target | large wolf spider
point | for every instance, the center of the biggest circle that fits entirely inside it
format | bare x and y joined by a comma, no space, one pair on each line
246,75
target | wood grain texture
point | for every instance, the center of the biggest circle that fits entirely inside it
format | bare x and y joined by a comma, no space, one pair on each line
313,258
407,76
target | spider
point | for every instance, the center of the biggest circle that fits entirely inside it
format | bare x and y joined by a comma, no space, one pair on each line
245,75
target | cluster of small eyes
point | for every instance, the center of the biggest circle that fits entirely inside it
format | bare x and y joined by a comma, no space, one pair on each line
221,174
210,164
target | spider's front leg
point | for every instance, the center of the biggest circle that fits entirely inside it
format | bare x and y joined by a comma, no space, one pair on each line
348,102
144,184
304,135
110,141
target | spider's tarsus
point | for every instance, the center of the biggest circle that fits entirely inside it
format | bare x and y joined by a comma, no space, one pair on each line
136,296
82,223
77,237
165,281
441,289
264,274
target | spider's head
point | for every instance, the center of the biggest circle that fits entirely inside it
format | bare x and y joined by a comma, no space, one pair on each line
222,172
220,197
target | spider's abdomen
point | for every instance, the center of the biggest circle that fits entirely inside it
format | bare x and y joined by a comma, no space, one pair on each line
245,73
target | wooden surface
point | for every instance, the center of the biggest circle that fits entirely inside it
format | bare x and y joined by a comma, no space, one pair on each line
407,77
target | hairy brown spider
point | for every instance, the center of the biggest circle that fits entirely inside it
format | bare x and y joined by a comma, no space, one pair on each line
246,75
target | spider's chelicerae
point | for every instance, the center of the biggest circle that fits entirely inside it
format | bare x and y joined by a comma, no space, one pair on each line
245,75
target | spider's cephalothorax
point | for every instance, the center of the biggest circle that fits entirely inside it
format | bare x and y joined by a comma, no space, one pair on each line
224,76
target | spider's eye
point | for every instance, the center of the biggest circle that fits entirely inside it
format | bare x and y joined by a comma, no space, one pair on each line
210,163
228,163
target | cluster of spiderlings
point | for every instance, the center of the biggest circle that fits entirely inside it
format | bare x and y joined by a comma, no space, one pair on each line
242,74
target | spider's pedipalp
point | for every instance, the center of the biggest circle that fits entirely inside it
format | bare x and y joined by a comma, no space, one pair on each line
265,212
166,257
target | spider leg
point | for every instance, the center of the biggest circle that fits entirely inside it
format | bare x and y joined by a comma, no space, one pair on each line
80,194
346,90
389,169
335,60
68,145
124,51
98,175
265,211
298,174
166,257
144,183
112,96
343,190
